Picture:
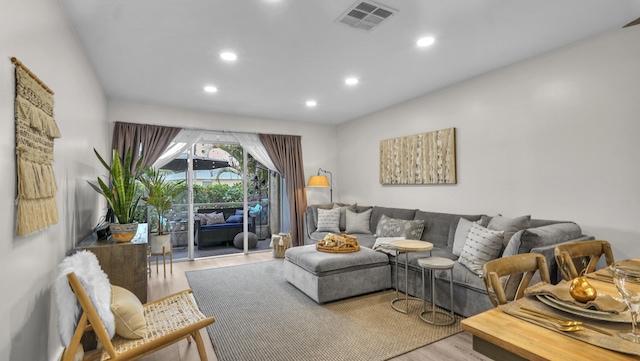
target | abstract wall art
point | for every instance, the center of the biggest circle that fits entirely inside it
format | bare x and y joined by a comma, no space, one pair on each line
427,158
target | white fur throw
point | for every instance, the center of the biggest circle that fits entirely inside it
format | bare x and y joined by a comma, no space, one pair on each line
95,283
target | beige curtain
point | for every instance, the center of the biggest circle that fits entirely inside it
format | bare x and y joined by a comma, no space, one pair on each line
286,153
148,141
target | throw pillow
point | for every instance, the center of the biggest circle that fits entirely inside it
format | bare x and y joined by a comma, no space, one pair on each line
329,220
235,219
392,227
314,210
214,218
343,214
482,246
239,212
460,237
509,225
128,313
358,222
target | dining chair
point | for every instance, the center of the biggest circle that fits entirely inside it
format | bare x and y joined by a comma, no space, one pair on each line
499,274
584,253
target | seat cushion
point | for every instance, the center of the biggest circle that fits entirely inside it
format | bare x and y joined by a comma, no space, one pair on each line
323,263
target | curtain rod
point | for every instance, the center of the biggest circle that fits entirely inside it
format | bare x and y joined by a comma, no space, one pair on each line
17,62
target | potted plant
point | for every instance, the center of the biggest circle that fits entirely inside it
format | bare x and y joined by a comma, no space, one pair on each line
121,196
160,195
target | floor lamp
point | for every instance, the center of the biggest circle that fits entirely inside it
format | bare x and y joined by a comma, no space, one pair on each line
322,181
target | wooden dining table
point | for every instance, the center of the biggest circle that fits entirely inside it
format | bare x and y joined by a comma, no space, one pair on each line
501,336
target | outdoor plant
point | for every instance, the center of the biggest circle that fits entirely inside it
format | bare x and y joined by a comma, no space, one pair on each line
160,193
121,196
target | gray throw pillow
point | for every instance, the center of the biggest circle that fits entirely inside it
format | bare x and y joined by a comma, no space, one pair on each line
509,225
358,222
343,214
482,246
329,220
462,232
392,227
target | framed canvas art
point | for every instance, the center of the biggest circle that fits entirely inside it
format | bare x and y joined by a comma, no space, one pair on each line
427,158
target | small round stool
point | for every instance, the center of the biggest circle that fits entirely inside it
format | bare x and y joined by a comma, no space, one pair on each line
433,264
238,240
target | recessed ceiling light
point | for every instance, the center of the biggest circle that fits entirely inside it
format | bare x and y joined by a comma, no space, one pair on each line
426,41
311,103
228,56
210,89
351,81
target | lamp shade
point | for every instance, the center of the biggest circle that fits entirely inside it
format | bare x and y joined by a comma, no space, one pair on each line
318,181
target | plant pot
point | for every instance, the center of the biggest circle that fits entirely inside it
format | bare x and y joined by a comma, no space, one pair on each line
122,233
157,242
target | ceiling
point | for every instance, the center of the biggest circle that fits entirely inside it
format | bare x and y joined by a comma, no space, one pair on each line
289,51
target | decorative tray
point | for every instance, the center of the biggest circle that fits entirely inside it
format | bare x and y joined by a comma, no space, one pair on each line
342,243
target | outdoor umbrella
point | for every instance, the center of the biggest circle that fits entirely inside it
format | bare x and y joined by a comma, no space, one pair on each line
179,164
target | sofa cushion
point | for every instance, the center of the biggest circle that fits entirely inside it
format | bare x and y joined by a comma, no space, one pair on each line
358,222
392,227
482,246
523,241
397,213
439,228
329,220
463,277
509,225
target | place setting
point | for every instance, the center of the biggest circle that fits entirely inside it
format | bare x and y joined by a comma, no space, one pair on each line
588,308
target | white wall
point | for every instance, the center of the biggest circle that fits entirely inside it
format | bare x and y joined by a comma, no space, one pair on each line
319,148
37,33
555,136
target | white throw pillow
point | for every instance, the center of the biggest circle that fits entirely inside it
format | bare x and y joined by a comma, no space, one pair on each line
128,313
329,220
482,246
358,222
460,237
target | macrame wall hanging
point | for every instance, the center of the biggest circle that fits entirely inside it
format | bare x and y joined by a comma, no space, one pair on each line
35,131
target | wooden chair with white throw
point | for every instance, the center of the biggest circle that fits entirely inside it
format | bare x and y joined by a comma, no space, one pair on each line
589,252
126,329
520,268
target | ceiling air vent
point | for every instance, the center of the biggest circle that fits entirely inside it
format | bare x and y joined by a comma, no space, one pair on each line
366,15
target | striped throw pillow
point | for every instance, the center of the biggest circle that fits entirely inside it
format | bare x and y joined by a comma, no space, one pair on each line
482,246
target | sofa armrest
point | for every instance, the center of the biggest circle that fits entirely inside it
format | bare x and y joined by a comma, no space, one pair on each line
308,223
548,253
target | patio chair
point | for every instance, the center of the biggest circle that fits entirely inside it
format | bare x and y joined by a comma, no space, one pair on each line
584,253
519,268
167,321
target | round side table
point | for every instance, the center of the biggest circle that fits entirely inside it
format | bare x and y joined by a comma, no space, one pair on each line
406,246
433,264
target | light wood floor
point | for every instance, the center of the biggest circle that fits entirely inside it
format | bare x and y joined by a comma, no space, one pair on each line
457,347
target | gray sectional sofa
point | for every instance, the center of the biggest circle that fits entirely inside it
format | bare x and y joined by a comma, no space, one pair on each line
470,298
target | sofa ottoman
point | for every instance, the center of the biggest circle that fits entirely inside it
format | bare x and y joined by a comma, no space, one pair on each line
328,277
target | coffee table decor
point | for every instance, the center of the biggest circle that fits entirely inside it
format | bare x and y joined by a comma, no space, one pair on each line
342,243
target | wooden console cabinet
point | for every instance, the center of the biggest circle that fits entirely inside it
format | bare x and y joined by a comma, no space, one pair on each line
124,263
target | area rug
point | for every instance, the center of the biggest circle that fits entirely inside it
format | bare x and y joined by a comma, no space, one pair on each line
260,316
